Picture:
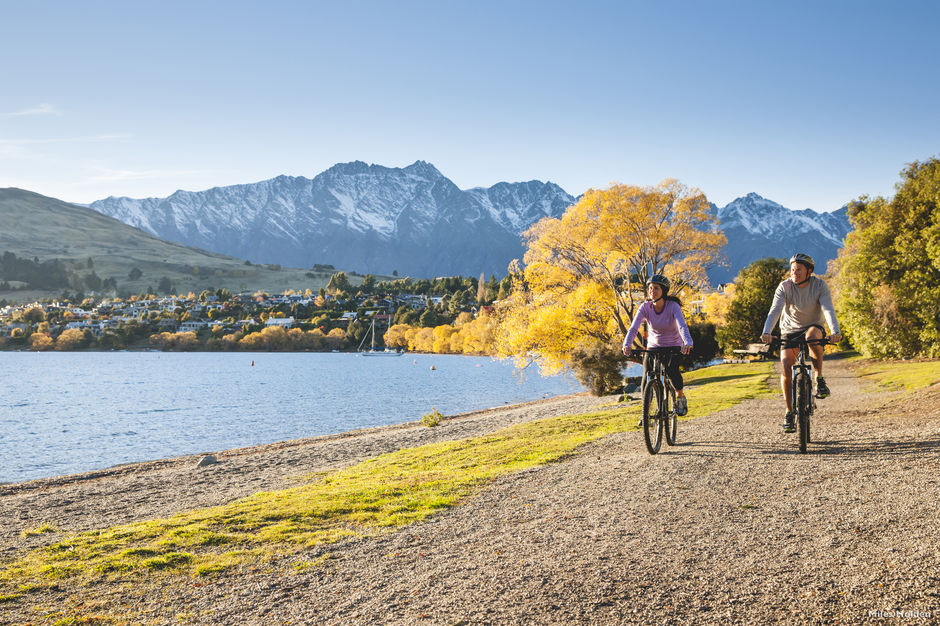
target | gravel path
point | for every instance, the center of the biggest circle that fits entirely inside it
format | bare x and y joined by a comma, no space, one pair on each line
731,526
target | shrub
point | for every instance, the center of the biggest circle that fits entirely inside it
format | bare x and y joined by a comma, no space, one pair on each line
432,419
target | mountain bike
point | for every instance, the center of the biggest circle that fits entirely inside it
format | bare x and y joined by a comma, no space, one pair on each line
659,400
802,398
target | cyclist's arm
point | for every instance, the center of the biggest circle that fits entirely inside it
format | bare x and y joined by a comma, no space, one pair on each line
773,316
683,330
829,312
634,327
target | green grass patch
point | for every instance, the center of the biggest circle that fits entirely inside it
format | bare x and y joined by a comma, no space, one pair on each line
908,375
719,387
389,491
40,530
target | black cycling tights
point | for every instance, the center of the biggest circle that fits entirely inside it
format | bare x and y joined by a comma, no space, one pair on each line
671,357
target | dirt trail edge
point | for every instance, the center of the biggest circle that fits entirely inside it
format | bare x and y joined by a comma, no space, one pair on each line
731,526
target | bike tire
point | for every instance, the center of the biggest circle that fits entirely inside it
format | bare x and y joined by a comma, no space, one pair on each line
671,422
652,416
811,408
802,409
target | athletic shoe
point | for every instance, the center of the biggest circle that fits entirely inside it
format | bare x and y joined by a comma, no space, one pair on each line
822,389
682,407
789,425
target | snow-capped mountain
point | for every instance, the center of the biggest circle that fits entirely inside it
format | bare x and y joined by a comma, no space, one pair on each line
360,217
757,227
375,219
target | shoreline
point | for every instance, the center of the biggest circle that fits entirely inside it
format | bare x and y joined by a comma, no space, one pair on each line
131,467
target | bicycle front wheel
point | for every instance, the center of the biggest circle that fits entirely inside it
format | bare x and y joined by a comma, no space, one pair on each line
810,405
671,421
653,416
802,408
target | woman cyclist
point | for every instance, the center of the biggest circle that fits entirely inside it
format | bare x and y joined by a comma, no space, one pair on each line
667,332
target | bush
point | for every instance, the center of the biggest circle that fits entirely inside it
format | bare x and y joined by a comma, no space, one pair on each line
704,343
432,419
599,368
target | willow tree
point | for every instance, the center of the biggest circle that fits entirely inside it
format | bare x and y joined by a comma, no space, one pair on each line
583,277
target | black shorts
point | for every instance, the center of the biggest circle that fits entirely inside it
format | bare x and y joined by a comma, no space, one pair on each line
790,340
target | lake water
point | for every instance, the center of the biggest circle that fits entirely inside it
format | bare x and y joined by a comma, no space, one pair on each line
67,412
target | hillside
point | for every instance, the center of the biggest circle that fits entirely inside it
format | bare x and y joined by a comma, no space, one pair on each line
38,227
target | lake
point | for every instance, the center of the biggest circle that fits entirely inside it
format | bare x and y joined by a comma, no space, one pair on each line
67,412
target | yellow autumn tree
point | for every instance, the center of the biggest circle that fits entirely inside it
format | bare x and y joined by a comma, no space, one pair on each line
572,304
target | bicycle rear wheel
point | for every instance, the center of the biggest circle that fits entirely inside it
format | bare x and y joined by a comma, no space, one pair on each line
652,416
802,408
671,420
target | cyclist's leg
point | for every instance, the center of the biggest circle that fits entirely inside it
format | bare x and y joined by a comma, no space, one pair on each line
787,359
815,350
672,361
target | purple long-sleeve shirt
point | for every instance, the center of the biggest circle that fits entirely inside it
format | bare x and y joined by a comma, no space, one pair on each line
665,329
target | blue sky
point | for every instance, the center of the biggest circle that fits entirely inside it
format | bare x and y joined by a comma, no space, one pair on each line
810,104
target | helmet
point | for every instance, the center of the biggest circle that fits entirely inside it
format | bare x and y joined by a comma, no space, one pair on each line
805,259
660,280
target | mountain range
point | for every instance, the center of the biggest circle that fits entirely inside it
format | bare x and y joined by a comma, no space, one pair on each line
417,222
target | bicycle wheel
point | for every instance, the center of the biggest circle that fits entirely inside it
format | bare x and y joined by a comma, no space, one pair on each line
802,408
810,405
652,416
671,421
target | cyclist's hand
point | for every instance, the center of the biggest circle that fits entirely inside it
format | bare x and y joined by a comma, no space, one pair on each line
766,337
627,350
835,338
686,349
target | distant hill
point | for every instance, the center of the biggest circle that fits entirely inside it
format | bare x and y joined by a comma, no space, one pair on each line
376,219
42,228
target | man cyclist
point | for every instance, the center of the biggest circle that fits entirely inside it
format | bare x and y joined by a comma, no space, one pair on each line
802,303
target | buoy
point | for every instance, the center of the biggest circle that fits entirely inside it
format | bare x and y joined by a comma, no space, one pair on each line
433,368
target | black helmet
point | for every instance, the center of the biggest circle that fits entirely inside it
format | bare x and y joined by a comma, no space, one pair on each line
805,259
660,280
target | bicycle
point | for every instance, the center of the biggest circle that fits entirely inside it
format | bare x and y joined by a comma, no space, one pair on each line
659,400
802,398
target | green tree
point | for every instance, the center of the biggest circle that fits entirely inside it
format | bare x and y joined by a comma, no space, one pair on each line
753,294
339,283
887,277
135,273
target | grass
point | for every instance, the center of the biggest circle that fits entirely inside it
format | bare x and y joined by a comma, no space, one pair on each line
909,375
386,492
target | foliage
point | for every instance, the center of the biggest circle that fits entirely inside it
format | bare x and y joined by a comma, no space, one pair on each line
432,419
704,342
72,339
715,306
339,283
40,342
467,336
753,295
584,275
38,275
887,277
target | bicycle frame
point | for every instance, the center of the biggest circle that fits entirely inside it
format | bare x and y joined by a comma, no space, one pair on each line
657,388
802,398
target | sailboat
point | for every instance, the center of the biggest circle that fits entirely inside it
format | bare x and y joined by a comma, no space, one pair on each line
374,351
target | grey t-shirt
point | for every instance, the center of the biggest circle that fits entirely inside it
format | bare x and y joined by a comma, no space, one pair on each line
800,307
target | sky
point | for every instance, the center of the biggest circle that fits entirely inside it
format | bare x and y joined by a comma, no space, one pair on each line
808,103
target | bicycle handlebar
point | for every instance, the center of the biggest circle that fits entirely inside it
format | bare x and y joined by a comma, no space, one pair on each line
795,343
